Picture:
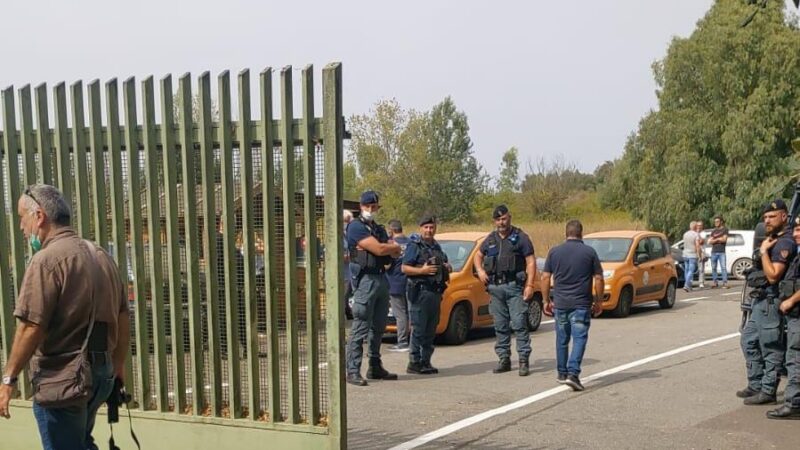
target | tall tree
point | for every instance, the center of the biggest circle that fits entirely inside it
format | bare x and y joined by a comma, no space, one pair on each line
508,181
720,140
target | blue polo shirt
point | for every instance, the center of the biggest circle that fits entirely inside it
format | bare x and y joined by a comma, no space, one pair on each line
395,275
573,264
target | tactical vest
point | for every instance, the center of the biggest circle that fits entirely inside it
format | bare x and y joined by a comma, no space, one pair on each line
368,262
433,256
509,260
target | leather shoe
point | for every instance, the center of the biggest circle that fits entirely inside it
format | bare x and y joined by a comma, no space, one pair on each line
760,399
503,366
356,380
784,412
746,392
428,369
524,368
377,372
415,368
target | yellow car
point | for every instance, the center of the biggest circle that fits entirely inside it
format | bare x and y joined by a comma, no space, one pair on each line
465,302
637,268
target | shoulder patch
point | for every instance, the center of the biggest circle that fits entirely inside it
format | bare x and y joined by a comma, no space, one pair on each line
784,254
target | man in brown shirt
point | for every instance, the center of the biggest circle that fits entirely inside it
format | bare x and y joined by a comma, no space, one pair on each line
54,309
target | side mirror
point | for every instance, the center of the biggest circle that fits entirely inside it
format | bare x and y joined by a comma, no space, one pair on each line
641,258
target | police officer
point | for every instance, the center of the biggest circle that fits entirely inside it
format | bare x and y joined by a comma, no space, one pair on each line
370,253
790,308
762,340
507,266
425,264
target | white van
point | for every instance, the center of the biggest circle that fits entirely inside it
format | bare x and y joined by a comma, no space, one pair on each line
738,252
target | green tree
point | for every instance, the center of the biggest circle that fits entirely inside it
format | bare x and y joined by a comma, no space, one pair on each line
508,181
719,141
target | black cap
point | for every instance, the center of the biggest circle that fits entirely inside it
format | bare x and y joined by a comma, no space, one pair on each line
369,197
500,211
426,219
775,205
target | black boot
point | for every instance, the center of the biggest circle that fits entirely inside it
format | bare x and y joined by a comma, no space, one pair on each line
784,412
377,372
428,369
356,380
746,392
503,366
414,367
524,368
760,399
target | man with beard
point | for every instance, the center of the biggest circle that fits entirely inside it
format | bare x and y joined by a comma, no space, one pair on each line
507,266
762,341
370,254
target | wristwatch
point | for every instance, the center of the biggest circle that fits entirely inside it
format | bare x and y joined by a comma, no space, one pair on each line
8,380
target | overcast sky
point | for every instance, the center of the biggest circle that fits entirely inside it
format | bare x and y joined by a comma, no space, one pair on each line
568,78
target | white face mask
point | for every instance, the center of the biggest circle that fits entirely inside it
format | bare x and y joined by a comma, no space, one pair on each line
368,215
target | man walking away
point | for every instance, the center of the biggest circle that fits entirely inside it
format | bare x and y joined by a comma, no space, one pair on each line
55,309
397,288
689,256
507,266
572,267
718,241
110,338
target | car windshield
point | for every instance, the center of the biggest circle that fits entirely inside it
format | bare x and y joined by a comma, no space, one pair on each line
610,249
457,252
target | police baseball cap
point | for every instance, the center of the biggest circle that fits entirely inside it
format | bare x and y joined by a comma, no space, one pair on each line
775,205
426,219
501,210
369,197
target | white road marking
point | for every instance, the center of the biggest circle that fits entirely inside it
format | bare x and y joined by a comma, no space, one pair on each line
693,299
547,322
731,293
450,429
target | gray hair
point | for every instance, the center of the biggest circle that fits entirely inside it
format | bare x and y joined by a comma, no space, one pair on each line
692,224
50,201
347,216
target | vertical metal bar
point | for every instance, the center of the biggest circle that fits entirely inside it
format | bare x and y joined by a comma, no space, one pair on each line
210,244
191,239
114,143
249,249
7,321
312,258
79,161
137,247
63,176
100,217
334,308
270,264
173,270
289,253
17,241
26,136
154,239
229,247
43,136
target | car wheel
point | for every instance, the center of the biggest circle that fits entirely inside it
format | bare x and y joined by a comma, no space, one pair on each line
669,297
459,325
534,313
740,267
623,308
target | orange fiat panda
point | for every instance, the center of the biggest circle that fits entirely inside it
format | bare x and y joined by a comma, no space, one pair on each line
637,268
465,302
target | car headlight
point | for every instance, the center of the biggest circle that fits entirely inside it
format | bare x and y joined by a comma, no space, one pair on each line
608,274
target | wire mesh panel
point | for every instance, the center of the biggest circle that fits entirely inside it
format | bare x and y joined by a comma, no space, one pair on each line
220,223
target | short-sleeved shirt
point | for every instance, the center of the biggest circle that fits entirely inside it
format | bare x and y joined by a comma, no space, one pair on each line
525,245
573,266
111,297
395,276
717,233
57,292
414,257
689,241
784,250
357,231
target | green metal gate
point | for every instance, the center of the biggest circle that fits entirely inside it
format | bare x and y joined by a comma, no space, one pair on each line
229,234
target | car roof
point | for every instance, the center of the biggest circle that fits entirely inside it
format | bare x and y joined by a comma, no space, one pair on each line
624,234
462,236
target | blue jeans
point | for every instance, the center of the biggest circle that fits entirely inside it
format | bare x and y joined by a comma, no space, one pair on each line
509,311
688,272
722,259
62,428
572,323
102,385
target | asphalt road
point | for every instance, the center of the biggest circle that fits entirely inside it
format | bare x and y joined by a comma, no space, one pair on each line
657,379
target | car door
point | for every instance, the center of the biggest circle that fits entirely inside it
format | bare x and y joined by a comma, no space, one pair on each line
660,266
642,268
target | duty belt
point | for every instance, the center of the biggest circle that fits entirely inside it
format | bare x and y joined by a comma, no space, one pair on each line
504,278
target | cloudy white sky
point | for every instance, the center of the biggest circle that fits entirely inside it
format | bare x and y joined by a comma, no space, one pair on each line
568,78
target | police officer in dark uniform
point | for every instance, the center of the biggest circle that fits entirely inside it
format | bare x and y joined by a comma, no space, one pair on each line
762,335
790,308
425,264
370,254
507,266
